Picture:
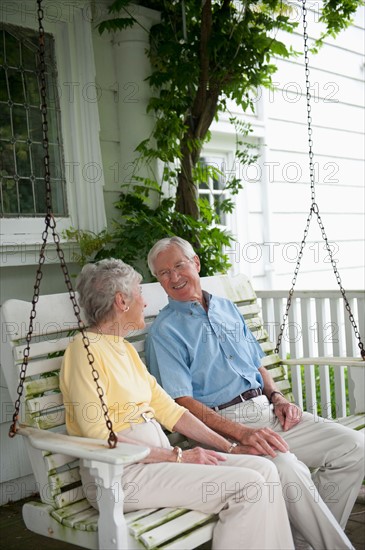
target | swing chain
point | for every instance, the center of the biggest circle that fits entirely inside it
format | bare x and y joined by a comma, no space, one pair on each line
26,351
50,222
314,209
112,439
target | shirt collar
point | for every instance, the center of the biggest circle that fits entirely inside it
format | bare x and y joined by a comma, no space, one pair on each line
190,306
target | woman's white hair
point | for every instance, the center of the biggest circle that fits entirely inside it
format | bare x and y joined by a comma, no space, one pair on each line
98,284
162,244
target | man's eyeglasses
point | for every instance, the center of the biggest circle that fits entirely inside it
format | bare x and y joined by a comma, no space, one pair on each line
165,274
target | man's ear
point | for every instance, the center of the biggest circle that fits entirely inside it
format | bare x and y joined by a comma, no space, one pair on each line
196,261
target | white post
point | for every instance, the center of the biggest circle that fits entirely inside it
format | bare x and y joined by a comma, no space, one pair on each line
112,528
356,377
132,67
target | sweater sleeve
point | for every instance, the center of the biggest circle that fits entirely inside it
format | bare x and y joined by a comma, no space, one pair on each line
167,412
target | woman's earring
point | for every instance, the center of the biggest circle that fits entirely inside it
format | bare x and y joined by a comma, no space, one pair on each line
126,309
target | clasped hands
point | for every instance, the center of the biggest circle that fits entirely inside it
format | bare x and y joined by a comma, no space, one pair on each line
264,441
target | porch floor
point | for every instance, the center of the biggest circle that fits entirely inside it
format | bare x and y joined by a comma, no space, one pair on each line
15,536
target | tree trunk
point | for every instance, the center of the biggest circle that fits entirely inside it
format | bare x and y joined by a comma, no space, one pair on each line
187,192
187,189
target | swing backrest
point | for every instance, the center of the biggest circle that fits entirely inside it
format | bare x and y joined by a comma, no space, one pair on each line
57,476
54,326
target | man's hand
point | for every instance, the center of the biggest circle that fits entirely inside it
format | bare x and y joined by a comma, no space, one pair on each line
262,441
289,414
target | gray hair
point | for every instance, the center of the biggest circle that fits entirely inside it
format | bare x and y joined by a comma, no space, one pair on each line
98,284
163,244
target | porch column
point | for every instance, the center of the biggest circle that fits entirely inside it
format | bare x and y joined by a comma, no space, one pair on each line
132,67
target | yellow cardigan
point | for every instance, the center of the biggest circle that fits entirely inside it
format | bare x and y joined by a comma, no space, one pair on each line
129,389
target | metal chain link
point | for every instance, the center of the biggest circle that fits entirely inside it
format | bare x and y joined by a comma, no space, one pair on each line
314,209
50,223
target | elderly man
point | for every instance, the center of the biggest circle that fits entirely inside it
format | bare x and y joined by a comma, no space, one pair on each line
194,352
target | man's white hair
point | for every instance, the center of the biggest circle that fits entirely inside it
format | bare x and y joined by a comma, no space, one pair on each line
163,244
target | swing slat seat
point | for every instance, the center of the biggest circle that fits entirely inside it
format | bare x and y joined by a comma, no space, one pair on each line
64,512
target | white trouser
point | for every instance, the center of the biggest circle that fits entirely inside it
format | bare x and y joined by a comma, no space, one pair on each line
318,505
245,492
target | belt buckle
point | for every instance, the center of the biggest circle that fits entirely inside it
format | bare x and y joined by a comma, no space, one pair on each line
145,417
254,392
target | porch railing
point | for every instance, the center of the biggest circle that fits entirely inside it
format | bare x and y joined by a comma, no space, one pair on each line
318,326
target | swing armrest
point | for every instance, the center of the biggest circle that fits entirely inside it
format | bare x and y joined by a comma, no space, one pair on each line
333,361
355,372
83,447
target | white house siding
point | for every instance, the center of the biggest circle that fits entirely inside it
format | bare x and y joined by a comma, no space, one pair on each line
279,202
122,68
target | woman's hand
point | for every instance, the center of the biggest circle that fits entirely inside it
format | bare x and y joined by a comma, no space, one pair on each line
202,456
191,456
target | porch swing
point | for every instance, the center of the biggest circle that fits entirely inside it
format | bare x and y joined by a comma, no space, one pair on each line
65,513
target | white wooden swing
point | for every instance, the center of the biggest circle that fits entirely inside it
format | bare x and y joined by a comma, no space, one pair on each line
64,512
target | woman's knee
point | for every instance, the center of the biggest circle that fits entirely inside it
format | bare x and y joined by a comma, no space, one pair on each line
235,485
266,467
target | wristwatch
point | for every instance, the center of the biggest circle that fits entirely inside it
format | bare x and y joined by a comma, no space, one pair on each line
233,446
273,393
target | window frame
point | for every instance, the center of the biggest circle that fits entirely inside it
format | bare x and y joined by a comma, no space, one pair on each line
209,157
80,128
223,145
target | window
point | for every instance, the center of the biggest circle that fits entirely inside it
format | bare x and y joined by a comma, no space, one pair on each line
213,184
21,149
77,193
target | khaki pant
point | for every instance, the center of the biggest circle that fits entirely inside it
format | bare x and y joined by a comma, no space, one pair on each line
319,504
245,492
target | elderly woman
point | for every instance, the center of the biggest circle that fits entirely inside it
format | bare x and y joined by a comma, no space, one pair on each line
244,491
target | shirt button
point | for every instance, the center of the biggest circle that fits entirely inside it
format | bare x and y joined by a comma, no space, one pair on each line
230,357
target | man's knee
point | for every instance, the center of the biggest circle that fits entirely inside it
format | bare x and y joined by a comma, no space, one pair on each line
358,439
289,467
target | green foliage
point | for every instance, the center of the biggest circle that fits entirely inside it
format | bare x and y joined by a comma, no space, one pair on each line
89,243
141,226
337,16
202,54
236,55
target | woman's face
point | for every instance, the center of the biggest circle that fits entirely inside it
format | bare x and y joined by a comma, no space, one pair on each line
134,317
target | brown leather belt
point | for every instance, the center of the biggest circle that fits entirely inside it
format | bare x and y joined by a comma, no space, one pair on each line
245,396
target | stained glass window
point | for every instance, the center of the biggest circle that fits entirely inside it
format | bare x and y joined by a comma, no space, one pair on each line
21,148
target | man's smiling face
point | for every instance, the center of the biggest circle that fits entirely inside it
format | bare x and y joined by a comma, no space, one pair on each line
179,275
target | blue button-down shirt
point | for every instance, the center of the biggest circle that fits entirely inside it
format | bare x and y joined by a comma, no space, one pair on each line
211,356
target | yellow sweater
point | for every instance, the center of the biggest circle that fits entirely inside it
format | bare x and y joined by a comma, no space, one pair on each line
129,389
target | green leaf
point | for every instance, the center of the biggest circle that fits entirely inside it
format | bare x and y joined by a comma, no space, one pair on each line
118,24
118,5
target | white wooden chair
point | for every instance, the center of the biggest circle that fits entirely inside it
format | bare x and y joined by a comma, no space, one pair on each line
64,513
